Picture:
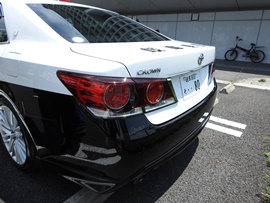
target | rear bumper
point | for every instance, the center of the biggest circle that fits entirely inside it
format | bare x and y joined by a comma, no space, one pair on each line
116,152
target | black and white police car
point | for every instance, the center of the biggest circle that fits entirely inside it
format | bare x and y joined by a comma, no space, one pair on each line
99,96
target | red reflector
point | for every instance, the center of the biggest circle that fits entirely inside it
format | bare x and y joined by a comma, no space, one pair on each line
65,0
116,96
154,92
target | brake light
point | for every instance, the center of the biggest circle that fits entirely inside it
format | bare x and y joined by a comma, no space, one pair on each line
154,92
117,97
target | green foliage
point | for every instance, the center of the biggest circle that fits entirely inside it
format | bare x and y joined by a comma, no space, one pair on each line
266,194
262,80
267,154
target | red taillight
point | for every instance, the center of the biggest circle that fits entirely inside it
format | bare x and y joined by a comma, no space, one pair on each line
154,92
90,92
97,92
114,97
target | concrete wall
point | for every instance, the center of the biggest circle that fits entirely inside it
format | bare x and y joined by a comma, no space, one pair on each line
218,29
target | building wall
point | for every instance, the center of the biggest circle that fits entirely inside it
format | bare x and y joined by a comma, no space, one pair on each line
218,29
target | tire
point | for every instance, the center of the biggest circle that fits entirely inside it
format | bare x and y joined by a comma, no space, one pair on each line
15,137
257,56
231,55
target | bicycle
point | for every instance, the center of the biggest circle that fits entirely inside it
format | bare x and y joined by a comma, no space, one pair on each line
256,56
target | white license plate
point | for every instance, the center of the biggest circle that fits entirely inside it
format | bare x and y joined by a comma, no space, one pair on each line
190,84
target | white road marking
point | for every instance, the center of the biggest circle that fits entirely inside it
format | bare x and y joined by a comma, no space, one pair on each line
227,122
224,129
216,101
224,82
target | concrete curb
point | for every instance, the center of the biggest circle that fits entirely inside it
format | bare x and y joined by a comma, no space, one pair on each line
227,89
239,84
252,86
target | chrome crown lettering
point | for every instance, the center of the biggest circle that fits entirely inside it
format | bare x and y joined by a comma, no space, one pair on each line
149,71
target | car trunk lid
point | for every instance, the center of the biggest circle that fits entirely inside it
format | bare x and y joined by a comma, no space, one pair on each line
151,59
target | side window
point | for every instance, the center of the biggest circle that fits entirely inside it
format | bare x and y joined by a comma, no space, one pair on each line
3,32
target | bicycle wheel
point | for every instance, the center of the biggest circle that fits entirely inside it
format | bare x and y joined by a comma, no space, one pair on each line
257,56
231,55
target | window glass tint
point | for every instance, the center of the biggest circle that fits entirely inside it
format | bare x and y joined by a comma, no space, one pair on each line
63,26
3,32
82,24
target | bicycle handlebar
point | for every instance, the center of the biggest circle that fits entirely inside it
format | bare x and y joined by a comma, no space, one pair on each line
253,45
238,38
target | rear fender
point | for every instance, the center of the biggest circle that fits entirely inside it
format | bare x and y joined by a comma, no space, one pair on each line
6,93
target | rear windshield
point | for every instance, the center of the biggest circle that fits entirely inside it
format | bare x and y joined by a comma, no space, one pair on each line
83,24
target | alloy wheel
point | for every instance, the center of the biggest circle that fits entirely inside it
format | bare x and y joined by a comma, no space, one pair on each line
12,135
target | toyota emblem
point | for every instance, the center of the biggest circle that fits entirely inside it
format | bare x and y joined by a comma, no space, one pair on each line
200,59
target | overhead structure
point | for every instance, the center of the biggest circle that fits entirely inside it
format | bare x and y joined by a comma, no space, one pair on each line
139,7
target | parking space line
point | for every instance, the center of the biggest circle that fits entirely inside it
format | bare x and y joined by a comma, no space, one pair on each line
227,122
225,130
224,122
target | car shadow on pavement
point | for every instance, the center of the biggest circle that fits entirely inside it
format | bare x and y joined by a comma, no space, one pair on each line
40,186
158,182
